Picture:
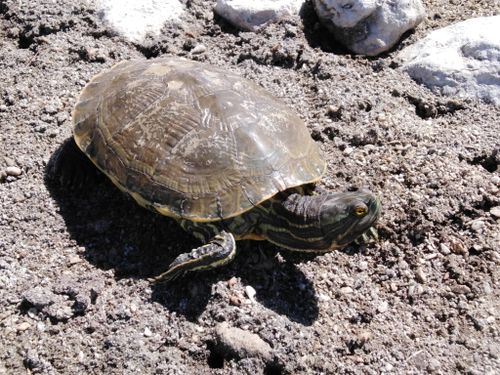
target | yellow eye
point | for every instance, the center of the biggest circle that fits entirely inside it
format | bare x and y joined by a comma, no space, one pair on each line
360,210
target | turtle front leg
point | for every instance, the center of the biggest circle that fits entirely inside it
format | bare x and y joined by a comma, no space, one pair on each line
218,252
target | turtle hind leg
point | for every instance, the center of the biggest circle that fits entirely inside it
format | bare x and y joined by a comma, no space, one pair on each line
72,168
218,252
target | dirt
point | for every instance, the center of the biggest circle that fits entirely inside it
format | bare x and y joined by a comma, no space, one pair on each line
75,262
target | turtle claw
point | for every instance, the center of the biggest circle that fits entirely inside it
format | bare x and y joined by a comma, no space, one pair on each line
369,236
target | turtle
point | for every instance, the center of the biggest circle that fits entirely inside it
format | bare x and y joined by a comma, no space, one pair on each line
217,153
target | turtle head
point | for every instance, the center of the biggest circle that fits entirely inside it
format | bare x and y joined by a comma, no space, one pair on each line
344,217
320,222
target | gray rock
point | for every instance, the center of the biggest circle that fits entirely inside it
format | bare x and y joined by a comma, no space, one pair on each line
250,15
13,171
39,297
235,342
51,305
461,60
369,27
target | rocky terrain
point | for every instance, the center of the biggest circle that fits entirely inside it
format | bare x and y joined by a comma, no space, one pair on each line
75,262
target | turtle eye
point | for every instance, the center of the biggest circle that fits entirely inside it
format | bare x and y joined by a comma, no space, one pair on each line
360,210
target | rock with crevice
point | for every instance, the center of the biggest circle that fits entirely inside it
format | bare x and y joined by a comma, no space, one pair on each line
369,27
461,60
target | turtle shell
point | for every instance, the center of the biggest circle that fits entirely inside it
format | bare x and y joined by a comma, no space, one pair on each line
190,140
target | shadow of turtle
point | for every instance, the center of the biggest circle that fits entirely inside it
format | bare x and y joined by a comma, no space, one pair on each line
118,234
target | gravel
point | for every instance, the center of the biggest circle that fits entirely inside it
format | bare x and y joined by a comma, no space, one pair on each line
75,263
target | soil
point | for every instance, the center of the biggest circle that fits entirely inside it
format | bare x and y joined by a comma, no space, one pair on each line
75,263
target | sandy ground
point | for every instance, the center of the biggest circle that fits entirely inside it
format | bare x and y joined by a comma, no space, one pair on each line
74,263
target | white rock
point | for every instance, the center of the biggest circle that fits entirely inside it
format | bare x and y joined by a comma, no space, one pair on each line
250,292
369,27
134,19
250,15
461,60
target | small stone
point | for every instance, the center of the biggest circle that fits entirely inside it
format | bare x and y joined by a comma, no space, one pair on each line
494,351
51,108
232,282
495,211
460,289
147,332
323,297
383,307
477,225
235,300
250,292
346,290
74,259
13,171
420,276
40,326
363,265
363,337
235,342
348,150
445,250
133,308
457,246
23,326
198,49
433,365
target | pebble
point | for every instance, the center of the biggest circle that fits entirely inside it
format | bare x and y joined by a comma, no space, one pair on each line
235,300
477,225
346,290
383,307
74,259
433,365
23,326
13,171
236,342
40,326
363,265
323,297
198,49
495,211
232,282
147,332
445,250
250,292
461,289
420,276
